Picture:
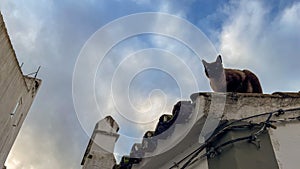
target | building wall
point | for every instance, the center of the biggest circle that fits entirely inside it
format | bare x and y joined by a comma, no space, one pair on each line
284,141
17,93
99,153
286,137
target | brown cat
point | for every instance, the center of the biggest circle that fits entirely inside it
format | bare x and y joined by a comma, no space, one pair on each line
231,80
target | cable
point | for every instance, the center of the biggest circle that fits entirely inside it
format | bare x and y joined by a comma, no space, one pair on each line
266,124
176,164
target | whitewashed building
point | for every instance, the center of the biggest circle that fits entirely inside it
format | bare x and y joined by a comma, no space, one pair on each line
17,93
260,131
99,152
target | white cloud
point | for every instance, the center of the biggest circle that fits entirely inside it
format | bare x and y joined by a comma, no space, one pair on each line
242,30
268,43
42,141
25,25
171,8
142,2
162,60
45,157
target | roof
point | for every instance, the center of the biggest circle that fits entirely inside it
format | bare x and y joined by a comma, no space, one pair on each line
237,105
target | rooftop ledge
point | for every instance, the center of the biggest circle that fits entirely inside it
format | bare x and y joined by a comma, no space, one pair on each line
231,106
216,107
253,95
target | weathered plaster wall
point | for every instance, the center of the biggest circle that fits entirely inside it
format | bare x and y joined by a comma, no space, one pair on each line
285,140
17,93
99,153
216,106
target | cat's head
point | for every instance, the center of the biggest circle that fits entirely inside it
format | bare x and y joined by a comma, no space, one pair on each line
214,69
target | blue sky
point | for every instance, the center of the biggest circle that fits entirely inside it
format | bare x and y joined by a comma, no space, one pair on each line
262,36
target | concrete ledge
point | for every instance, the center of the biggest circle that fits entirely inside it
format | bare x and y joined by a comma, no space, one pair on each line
226,106
241,105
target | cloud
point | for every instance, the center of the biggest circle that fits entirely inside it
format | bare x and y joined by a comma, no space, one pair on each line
255,37
261,36
51,134
142,2
52,35
243,28
143,92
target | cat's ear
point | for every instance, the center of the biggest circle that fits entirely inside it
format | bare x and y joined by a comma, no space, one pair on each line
219,59
204,63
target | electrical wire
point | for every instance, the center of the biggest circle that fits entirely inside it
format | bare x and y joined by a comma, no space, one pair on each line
264,125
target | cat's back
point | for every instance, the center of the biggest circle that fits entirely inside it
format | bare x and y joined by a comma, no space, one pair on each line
242,81
254,81
239,74
234,74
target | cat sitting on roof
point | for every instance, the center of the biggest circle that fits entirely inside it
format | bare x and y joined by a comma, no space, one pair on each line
230,80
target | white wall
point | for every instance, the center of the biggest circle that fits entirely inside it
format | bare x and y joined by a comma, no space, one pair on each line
286,144
16,94
285,139
99,153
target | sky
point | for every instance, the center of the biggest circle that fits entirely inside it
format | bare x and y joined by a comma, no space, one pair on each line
157,70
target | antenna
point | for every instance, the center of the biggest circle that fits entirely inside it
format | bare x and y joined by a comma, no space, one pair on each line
35,73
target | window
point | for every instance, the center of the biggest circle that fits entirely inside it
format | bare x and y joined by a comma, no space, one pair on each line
16,107
20,118
14,111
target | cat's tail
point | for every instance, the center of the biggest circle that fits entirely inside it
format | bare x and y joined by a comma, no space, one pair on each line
256,87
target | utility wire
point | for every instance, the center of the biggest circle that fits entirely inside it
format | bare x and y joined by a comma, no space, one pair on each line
264,125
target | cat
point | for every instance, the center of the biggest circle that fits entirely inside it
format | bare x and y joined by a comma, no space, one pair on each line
230,80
